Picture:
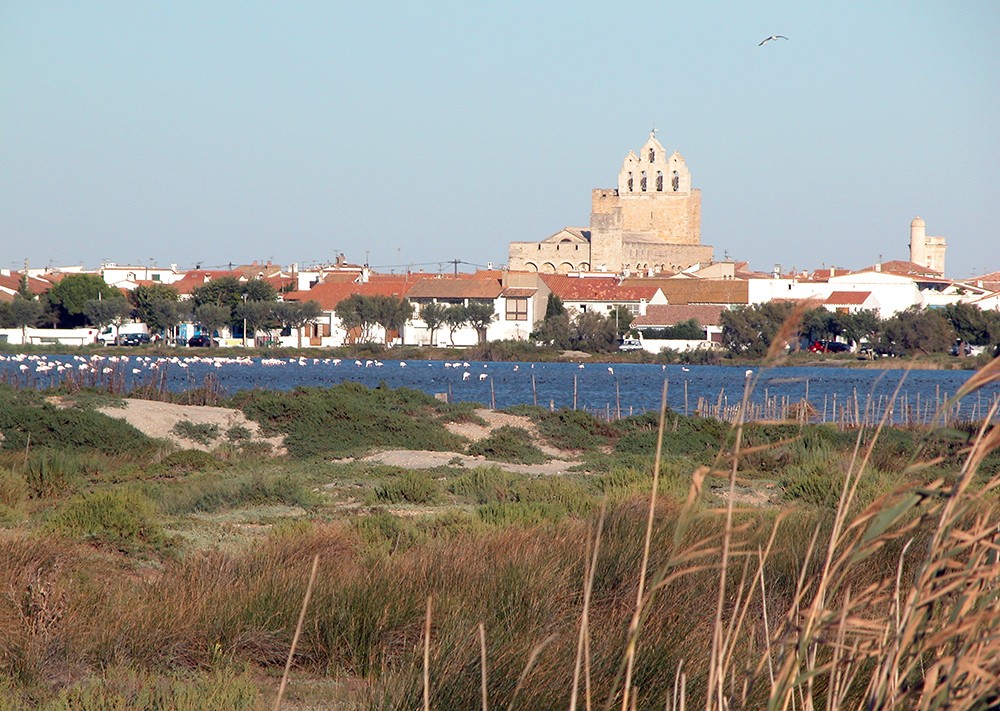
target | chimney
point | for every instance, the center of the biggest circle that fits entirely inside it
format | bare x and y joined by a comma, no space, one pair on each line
878,267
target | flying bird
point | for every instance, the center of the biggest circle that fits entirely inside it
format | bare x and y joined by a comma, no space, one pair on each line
772,38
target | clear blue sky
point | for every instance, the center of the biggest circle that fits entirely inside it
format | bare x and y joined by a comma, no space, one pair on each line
421,132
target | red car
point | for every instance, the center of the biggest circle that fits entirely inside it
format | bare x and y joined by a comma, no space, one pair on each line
829,347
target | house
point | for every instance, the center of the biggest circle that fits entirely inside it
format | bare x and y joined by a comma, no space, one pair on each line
691,289
10,284
851,302
327,331
602,294
517,300
662,316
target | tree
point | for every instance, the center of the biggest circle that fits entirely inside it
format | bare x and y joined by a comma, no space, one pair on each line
164,315
296,314
224,291
23,313
916,330
480,315
554,306
357,312
595,332
859,325
622,319
212,317
259,290
433,315
972,325
556,331
820,324
256,314
391,313
69,296
749,330
455,316
104,312
22,287
143,298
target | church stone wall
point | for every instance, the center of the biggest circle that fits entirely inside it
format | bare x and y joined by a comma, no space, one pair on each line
549,257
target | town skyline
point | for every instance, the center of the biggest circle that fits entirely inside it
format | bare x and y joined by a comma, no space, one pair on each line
202,134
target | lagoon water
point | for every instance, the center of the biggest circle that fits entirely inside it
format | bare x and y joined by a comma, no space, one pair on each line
599,387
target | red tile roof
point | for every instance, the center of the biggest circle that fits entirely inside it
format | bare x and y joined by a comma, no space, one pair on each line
700,291
328,295
570,288
452,288
671,315
847,298
35,286
903,268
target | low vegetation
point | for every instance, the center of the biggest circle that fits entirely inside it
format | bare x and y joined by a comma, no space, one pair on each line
777,564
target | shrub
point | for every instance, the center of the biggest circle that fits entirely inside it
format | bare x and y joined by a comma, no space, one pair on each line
211,492
349,417
238,434
574,429
203,433
508,444
412,487
121,688
26,419
188,461
52,472
122,518
485,484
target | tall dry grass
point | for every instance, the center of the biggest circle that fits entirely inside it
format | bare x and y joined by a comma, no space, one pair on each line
650,603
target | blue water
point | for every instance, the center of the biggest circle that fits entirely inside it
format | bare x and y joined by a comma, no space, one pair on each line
599,387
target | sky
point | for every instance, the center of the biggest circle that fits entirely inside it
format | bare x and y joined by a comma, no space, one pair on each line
410,134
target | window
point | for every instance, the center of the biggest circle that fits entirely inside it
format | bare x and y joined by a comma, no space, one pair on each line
642,182
676,181
659,181
517,308
630,182
652,155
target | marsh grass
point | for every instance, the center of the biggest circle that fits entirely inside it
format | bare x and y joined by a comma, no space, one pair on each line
123,519
881,592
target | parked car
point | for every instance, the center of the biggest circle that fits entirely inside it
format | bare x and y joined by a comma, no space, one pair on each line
202,341
631,344
829,347
133,339
115,335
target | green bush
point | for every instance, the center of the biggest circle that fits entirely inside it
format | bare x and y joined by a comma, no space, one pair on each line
53,472
203,433
574,429
27,421
411,487
348,418
121,518
485,484
188,461
238,434
508,444
210,492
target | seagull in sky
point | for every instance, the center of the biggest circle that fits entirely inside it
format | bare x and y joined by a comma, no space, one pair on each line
772,38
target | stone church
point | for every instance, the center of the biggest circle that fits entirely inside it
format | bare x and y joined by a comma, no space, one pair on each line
650,223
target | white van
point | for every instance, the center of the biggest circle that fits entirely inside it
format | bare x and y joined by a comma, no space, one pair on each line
110,334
